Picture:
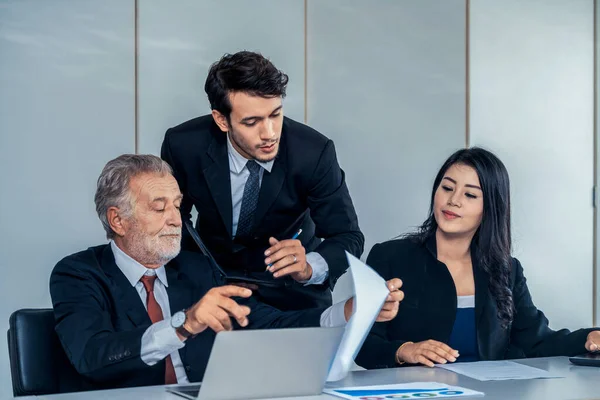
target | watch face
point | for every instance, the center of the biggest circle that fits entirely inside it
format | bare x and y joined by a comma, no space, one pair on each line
178,319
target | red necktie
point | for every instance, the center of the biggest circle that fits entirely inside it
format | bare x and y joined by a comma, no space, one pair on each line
155,313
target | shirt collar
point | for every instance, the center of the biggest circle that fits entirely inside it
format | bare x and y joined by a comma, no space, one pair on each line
237,162
133,270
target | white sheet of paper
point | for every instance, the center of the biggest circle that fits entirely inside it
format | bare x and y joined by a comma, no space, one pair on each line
370,292
402,390
497,370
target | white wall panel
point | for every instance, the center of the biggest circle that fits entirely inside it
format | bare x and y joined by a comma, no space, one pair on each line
386,82
179,40
66,108
531,69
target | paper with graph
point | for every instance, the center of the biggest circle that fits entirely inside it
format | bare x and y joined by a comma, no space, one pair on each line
403,391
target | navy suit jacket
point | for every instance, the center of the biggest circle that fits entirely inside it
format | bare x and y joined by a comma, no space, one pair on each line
429,309
100,318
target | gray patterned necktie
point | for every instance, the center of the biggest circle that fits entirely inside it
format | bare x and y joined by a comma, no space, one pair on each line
249,200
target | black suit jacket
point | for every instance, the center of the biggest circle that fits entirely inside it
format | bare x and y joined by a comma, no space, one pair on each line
305,175
429,309
100,318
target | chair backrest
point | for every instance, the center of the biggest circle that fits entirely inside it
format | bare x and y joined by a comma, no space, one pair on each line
38,363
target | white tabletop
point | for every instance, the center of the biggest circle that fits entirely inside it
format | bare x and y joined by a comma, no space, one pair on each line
580,383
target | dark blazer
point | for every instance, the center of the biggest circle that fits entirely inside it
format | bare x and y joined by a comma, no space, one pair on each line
100,319
429,309
305,175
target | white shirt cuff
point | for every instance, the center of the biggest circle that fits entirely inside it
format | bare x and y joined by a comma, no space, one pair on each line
334,316
320,269
159,340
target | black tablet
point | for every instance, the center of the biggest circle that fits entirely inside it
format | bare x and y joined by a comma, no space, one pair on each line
588,359
261,279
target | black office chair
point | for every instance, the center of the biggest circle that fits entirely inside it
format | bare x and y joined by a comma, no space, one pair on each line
38,363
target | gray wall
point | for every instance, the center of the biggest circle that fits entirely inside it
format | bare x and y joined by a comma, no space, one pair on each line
531,69
66,107
393,101
176,51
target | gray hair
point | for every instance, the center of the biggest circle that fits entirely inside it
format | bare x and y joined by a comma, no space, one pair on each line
112,189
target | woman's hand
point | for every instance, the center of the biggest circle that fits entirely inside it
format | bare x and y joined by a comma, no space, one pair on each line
427,353
593,342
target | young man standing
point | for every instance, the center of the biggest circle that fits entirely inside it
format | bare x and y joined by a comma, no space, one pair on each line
251,174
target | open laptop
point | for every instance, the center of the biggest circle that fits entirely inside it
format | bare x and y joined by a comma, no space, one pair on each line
588,359
251,364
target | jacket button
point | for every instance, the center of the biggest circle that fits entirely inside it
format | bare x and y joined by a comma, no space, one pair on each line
187,368
127,353
111,358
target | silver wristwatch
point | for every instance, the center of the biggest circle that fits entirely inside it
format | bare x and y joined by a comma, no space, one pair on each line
177,321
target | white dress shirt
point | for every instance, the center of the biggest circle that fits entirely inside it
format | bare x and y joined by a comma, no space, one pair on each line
160,339
238,174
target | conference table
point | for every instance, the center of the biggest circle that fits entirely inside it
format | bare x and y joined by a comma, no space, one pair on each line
579,383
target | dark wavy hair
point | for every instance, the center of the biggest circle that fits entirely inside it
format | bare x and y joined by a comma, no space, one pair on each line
246,72
491,244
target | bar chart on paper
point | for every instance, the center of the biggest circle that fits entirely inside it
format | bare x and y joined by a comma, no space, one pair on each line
412,390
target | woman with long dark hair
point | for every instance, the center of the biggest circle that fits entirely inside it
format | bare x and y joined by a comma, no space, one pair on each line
466,298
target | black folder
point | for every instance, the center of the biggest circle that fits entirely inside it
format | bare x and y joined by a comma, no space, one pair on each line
255,278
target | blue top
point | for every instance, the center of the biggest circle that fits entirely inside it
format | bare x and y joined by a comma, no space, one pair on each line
464,333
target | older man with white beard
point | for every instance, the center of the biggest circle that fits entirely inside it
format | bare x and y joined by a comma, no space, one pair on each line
137,311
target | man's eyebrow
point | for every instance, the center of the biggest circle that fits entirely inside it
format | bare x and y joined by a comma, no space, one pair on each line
247,119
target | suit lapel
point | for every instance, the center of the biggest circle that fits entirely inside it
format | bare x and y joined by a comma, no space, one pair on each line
445,289
218,179
481,292
180,294
272,182
179,291
482,298
125,293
